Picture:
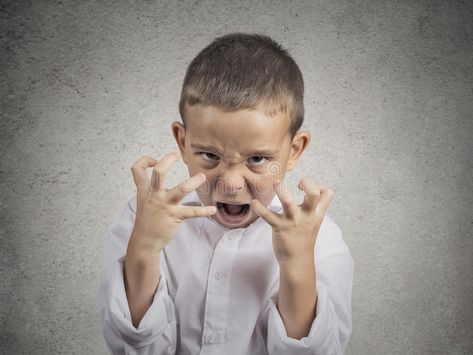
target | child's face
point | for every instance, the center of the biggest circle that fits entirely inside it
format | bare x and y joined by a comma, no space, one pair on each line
228,148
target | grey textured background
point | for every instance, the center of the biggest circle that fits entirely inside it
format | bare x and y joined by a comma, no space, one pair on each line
87,88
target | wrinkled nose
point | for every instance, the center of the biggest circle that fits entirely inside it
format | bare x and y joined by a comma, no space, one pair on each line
230,183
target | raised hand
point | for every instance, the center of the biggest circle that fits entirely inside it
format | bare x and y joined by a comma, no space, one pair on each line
158,212
295,231
158,216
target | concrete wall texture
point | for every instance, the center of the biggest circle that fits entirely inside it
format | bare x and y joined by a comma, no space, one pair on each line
88,87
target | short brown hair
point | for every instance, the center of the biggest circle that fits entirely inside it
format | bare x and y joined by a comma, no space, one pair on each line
242,70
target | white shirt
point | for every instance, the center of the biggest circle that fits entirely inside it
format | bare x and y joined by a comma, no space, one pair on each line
218,291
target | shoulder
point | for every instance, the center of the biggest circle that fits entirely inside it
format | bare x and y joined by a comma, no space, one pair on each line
330,240
329,232
119,231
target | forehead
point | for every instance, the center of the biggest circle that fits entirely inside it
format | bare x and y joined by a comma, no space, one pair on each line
241,130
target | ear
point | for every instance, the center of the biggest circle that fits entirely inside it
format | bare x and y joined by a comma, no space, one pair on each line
299,144
179,133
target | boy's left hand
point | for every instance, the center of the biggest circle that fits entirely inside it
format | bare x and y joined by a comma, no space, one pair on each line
296,229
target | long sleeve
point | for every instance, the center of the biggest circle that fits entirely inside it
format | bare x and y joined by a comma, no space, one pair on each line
156,333
332,326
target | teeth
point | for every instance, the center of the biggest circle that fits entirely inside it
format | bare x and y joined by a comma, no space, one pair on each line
221,204
237,204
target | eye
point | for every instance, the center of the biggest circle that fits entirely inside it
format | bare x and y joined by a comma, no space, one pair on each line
210,156
259,160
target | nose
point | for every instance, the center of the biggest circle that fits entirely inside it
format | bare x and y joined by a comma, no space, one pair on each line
230,182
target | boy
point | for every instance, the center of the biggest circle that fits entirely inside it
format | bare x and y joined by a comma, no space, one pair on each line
226,262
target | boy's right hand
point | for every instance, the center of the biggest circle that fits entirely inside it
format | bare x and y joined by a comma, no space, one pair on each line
158,211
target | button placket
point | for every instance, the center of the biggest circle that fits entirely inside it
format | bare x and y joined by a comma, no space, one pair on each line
218,290
220,275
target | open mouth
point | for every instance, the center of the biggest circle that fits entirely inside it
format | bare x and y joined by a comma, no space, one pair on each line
232,214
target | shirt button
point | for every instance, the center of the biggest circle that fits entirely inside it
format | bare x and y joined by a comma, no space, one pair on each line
220,275
209,338
232,236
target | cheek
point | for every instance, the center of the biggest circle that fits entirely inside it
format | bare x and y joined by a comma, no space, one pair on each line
263,187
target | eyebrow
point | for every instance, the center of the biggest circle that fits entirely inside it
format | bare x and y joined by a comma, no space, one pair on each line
255,152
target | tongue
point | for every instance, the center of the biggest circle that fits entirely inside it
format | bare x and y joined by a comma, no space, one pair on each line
234,209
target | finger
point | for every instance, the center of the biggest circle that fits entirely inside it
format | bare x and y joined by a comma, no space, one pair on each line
290,209
196,211
311,194
326,196
269,216
178,192
160,171
153,184
138,169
